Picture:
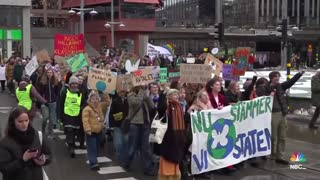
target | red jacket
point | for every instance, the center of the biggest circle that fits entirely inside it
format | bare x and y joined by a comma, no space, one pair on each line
252,59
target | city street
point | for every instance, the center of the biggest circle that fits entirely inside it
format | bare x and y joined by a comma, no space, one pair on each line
63,167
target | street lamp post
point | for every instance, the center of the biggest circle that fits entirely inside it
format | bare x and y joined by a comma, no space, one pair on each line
112,23
82,10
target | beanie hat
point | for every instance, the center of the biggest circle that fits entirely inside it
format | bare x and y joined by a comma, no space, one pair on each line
93,93
73,80
247,84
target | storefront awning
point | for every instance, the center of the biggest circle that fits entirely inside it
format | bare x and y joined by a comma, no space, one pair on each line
143,1
76,3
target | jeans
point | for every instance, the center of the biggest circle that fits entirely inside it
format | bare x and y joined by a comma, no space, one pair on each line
315,117
93,144
3,85
49,113
120,142
279,129
11,86
139,140
72,134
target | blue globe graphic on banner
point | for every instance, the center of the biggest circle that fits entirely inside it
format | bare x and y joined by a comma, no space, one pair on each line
101,86
221,139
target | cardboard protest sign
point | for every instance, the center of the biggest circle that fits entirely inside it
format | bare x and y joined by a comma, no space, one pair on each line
195,73
191,60
163,75
32,66
65,45
155,71
241,63
82,72
225,137
102,80
43,57
124,82
142,77
77,62
227,73
173,75
216,64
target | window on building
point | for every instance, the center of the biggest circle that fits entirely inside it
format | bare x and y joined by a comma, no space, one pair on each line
37,21
137,10
37,4
52,4
127,44
57,22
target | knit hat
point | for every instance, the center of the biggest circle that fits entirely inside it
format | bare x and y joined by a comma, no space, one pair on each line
93,93
172,91
73,80
247,84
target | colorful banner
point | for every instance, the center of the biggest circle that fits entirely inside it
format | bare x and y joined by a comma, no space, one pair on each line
102,80
241,63
32,66
65,45
227,73
195,73
142,77
77,62
163,75
229,136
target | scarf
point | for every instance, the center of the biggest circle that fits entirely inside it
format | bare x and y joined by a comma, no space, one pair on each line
183,103
177,115
24,138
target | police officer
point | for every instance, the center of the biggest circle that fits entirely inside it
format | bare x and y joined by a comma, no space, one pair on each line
70,104
26,95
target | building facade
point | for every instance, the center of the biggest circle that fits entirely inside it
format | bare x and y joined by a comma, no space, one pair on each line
15,28
186,24
138,17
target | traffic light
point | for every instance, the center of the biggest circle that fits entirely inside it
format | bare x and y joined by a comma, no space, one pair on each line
219,31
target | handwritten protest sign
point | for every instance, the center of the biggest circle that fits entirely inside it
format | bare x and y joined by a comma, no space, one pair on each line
77,62
195,73
102,80
32,66
142,77
227,73
216,64
173,75
82,72
65,45
229,136
241,63
124,82
163,75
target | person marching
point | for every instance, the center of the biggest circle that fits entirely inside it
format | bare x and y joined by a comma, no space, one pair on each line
25,93
70,104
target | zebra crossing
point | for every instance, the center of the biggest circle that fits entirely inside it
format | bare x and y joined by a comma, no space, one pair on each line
107,166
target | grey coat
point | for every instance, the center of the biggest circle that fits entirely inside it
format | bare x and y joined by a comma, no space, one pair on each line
138,101
315,90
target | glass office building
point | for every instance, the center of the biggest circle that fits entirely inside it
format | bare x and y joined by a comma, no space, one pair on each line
15,29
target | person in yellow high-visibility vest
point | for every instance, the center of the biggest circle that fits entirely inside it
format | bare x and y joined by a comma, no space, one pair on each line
70,106
26,95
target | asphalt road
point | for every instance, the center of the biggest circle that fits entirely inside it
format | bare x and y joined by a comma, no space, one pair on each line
63,167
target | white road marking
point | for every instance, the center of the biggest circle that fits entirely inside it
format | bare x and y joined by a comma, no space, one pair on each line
80,151
62,137
129,178
102,160
111,170
5,110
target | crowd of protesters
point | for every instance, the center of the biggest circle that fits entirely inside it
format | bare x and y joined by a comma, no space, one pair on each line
84,115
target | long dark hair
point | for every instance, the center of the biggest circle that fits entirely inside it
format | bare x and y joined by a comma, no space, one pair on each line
211,83
14,114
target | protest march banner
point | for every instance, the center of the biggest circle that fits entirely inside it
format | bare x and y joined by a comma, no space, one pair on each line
195,73
227,73
124,82
234,134
32,66
155,51
65,45
241,63
77,62
215,63
173,74
102,80
163,75
142,77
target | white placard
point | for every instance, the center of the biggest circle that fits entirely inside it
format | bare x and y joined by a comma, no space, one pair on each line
32,66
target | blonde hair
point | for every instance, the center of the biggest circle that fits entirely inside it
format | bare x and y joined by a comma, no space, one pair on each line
44,78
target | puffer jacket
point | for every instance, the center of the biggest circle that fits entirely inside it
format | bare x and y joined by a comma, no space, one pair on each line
280,103
93,117
315,89
9,72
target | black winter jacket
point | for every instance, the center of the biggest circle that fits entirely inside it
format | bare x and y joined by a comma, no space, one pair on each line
12,165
